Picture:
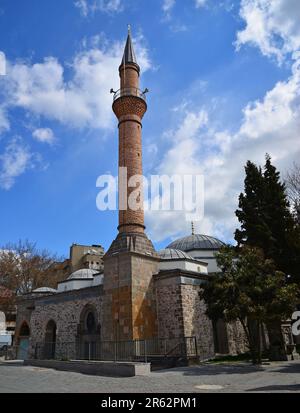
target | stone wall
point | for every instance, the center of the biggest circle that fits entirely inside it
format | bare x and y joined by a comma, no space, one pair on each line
64,309
130,308
169,311
138,304
24,312
144,316
196,323
236,336
180,311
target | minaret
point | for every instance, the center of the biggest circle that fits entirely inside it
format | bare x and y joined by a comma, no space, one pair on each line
130,106
129,308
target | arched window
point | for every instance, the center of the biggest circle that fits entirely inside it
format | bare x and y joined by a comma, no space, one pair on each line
88,333
91,323
23,341
50,340
88,320
24,330
50,336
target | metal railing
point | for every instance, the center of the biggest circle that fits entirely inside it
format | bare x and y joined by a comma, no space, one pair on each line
3,349
129,92
16,352
133,350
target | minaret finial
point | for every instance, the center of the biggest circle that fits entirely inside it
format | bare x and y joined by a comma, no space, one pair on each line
129,29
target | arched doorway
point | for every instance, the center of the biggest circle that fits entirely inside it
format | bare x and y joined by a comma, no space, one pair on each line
88,337
23,341
50,340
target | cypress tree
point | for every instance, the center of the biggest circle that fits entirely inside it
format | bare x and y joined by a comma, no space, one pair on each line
278,217
254,231
266,219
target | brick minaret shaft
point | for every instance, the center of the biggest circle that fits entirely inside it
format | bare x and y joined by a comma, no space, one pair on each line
129,309
130,106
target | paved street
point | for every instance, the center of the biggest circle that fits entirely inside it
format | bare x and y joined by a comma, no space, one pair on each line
275,377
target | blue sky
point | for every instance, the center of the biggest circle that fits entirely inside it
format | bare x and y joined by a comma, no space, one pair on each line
224,81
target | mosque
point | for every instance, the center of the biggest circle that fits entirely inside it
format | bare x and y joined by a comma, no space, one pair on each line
130,294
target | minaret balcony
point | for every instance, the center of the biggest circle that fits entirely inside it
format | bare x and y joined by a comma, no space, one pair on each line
130,92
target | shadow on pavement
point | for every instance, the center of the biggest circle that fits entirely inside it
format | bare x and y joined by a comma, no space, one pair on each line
212,370
289,368
277,388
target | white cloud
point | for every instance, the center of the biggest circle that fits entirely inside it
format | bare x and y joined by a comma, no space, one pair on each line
200,3
272,26
2,64
4,122
45,91
167,7
44,135
87,7
82,5
270,125
180,159
15,160
275,112
82,101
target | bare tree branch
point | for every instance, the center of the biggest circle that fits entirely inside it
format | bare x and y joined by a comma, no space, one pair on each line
24,268
292,182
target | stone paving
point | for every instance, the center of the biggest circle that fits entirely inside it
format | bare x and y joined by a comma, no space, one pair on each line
273,377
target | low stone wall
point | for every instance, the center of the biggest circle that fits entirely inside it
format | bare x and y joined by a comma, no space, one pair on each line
95,368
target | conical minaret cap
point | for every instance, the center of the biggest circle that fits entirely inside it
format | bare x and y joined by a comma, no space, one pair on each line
129,54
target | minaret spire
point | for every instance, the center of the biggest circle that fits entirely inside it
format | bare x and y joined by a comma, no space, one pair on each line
129,54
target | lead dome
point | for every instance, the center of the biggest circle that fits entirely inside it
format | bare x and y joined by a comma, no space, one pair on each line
196,242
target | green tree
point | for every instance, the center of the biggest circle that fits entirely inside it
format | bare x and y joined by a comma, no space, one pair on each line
254,230
249,289
266,218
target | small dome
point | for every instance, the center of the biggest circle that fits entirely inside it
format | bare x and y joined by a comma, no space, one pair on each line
44,290
84,274
172,254
197,242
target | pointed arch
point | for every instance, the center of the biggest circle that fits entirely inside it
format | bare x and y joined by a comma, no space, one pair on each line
24,330
23,338
89,331
50,340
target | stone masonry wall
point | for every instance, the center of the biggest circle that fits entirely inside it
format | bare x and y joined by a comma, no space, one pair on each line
65,310
144,316
24,312
130,308
196,322
169,311
181,313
